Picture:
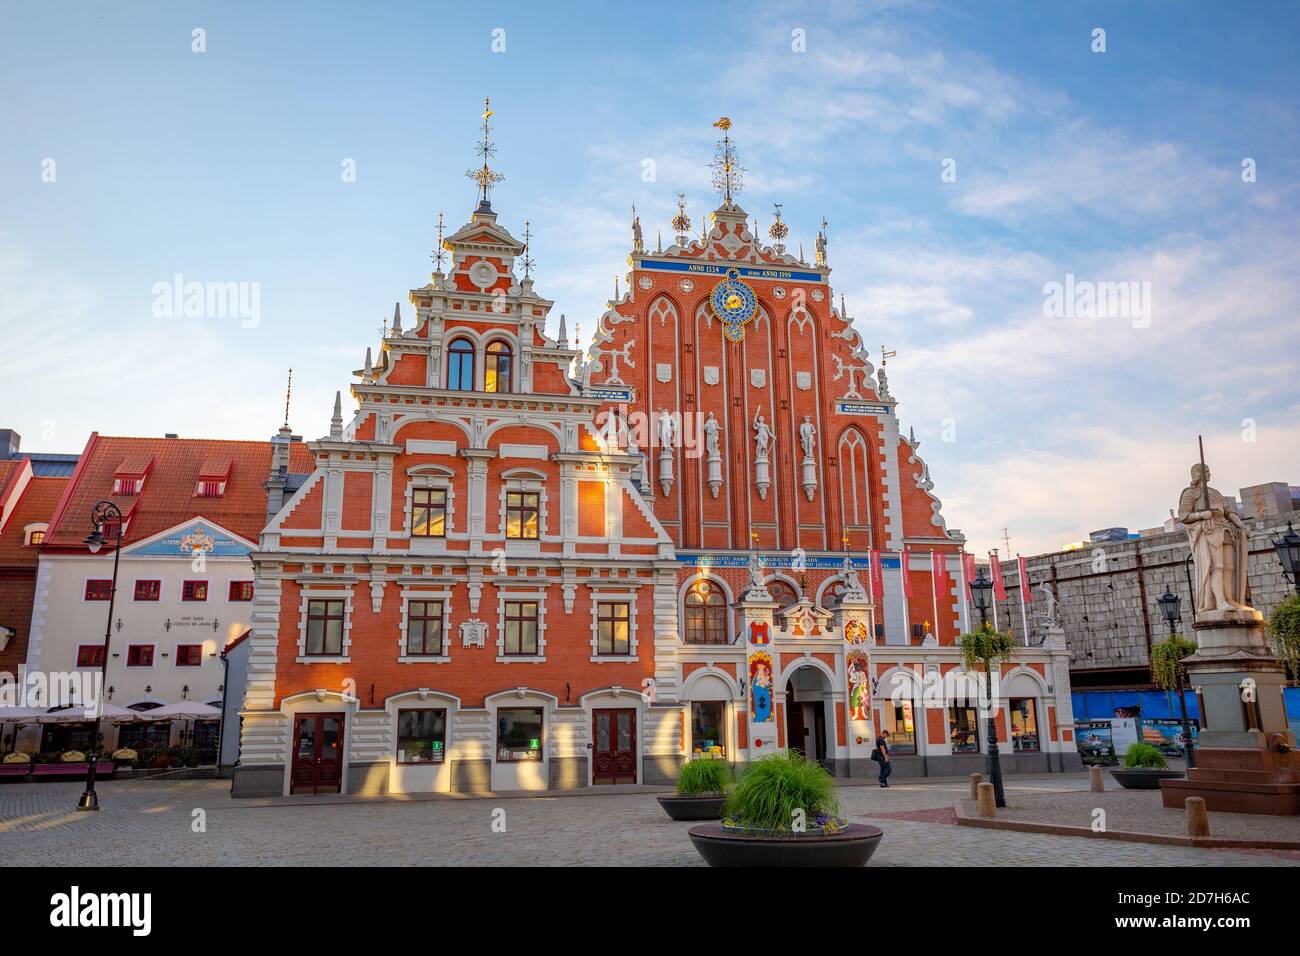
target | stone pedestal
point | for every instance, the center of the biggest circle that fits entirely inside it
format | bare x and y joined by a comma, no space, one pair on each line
1246,761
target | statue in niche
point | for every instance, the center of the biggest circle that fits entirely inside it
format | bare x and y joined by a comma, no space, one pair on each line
808,436
667,430
764,438
711,432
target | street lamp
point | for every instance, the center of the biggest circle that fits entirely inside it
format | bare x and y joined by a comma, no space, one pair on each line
1170,604
981,590
106,527
1288,552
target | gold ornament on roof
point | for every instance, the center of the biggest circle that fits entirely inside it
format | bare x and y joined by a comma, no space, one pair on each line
778,231
727,172
486,177
681,222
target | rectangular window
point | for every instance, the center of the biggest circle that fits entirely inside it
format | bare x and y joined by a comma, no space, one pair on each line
189,655
613,624
241,591
147,590
99,590
963,730
139,655
194,591
1024,724
324,628
424,628
421,736
900,721
90,655
209,489
127,486
708,736
429,512
36,538
522,509
519,734
521,628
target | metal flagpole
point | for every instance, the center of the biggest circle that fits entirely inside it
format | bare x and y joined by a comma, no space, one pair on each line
934,591
902,591
1024,580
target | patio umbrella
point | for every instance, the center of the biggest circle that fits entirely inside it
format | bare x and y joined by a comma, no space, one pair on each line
77,714
20,715
184,710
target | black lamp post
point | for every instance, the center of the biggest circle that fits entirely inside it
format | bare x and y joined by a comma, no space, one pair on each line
1169,609
106,528
981,590
1288,552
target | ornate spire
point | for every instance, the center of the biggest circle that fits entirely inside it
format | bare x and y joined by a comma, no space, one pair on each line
727,172
681,222
527,261
486,177
368,372
397,318
336,423
778,231
437,249
288,391
563,339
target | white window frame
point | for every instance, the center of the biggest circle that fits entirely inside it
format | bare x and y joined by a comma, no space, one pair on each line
599,597
506,595
325,594
188,667
414,594
526,480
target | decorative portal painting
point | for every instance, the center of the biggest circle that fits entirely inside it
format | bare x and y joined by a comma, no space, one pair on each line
760,633
760,687
859,686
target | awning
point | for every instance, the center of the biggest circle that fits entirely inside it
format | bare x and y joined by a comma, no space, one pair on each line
184,710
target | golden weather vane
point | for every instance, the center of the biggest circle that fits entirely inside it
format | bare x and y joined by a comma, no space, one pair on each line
486,177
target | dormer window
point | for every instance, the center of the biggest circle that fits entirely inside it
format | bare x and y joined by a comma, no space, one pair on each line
34,535
130,475
460,365
214,475
126,486
496,371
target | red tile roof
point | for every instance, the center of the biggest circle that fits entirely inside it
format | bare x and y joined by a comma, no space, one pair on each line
37,504
168,495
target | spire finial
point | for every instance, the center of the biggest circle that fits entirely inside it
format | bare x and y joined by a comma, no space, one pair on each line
397,318
563,340
288,391
336,423
727,178
779,230
437,250
486,177
681,222
527,260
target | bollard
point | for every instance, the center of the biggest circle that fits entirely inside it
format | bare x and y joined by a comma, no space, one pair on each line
1098,784
975,780
987,802
1198,821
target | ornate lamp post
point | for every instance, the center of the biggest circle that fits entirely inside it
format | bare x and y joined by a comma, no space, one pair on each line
981,590
1170,605
1288,552
106,527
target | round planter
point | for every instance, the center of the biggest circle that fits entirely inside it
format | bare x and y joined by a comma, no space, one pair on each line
1143,778
706,806
851,846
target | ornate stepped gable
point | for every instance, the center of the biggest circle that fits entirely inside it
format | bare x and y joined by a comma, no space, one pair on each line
828,420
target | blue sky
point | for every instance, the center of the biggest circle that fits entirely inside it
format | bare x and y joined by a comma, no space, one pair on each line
1122,166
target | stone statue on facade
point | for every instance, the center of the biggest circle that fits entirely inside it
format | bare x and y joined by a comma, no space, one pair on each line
667,430
637,244
1219,544
808,436
764,438
711,430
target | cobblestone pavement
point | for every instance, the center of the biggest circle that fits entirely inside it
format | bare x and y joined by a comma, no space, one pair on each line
147,822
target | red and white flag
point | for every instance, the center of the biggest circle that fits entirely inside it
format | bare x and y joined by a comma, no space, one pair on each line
1025,593
940,571
968,572
877,578
905,564
995,570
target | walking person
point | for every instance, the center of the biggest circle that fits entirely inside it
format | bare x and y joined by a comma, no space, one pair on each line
881,756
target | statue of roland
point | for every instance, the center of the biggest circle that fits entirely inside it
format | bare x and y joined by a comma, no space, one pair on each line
1218,541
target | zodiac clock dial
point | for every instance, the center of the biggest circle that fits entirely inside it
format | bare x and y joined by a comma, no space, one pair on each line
735,304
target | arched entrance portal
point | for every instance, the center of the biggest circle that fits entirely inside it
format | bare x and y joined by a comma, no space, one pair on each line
807,701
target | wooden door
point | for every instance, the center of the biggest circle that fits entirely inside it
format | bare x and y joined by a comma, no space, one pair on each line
613,754
317,753
795,731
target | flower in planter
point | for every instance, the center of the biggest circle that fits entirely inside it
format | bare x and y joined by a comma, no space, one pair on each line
780,789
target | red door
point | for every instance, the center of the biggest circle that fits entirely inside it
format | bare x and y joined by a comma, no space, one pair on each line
317,753
613,757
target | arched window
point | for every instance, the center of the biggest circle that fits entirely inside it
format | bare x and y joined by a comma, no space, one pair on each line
706,614
783,593
460,365
496,370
